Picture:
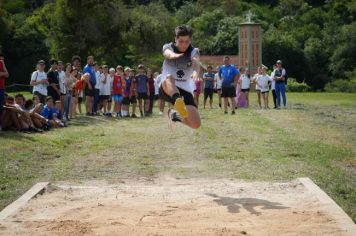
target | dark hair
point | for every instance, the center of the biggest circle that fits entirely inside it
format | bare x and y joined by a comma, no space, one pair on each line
209,66
48,98
28,104
75,58
53,61
68,64
183,30
19,95
10,98
226,57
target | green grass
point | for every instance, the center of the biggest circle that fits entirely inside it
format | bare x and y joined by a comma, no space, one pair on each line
314,137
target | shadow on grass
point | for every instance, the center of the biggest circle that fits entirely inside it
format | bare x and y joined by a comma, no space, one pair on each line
234,204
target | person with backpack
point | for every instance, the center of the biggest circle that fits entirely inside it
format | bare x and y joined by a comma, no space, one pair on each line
39,81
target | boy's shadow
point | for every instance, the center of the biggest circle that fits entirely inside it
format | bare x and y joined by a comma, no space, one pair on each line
234,204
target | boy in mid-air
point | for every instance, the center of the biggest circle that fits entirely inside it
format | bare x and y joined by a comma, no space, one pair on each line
180,69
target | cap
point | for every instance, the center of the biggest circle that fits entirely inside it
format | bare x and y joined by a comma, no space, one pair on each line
279,62
41,62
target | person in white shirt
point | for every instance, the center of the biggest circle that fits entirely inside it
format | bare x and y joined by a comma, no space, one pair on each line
218,83
61,77
161,102
39,82
258,89
245,82
273,88
97,69
263,82
105,88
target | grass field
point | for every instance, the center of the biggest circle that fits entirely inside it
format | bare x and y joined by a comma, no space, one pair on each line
314,137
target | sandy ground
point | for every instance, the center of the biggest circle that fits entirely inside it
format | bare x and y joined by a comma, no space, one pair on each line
168,206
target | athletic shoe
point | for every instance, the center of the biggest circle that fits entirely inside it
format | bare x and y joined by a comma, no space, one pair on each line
160,113
233,113
225,112
180,107
134,115
173,116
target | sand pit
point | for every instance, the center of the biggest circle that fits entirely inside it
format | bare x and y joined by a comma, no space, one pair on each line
168,206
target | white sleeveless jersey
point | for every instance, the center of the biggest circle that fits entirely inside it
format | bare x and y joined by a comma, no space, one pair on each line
181,69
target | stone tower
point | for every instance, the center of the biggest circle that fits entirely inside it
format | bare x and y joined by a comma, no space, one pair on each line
250,45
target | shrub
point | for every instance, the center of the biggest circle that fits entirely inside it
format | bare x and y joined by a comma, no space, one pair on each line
294,86
345,86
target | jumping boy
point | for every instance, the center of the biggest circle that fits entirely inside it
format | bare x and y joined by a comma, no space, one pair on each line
180,69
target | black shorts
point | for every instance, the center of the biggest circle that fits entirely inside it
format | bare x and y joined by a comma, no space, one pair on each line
258,90
80,100
104,97
228,92
143,96
187,97
156,97
208,92
152,96
89,92
55,96
264,92
245,90
128,101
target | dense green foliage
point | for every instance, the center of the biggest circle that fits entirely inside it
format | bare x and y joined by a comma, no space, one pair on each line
315,39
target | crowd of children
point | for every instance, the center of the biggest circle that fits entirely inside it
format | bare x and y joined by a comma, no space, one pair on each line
58,95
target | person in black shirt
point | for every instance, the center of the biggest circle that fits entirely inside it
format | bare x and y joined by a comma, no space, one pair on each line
53,80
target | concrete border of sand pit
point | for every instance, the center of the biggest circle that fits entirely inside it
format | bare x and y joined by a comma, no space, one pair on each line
22,201
344,221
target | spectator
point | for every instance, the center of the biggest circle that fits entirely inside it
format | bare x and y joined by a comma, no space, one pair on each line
105,89
78,91
133,92
142,90
53,81
39,81
62,88
98,72
117,90
50,113
197,90
229,75
279,76
218,82
129,93
69,82
4,74
161,102
245,85
262,82
90,85
209,78
151,88
258,89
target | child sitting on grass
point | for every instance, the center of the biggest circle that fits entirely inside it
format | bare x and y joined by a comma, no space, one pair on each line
50,113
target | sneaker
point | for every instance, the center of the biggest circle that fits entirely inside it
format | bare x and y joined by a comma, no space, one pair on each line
225,112
233,113
180,107
134,115
160,113
173,116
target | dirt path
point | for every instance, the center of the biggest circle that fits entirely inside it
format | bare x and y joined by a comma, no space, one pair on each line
168,206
